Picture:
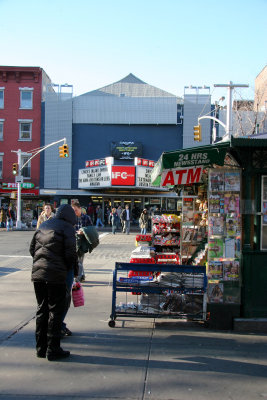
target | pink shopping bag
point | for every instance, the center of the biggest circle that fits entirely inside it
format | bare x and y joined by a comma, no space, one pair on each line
77,294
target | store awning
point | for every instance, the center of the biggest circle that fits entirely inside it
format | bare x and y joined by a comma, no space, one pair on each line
203,156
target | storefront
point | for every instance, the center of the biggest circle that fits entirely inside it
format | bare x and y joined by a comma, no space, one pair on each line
223,189
104,183
31,204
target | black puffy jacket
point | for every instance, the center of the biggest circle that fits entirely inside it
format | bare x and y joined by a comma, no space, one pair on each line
53,247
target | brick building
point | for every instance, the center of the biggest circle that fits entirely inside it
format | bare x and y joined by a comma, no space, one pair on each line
21,95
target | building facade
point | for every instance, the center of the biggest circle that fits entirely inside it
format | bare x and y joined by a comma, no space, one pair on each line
22,91
126,124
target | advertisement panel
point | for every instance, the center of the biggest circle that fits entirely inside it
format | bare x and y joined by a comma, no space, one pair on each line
123,176
94,177
143,176
125,150
100,162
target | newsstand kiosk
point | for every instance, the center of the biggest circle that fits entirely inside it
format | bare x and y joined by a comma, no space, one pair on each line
223,191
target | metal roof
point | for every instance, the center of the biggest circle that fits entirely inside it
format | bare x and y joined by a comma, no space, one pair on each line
130,86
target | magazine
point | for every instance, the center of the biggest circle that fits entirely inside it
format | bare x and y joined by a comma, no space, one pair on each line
216,225
216,181
188,217
215,270
232,181
231,203
231,294
232,225
215,248
230,245
231,270
215,292
264,211
188,234
214,203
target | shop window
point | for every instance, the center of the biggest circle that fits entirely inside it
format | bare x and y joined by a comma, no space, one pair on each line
264,214
1,129
1,97
25,129
26,171
1,166
26,95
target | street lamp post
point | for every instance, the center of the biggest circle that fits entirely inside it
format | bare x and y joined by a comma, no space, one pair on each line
229,116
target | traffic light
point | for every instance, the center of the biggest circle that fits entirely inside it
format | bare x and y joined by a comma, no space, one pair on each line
63,151
14,168
197,133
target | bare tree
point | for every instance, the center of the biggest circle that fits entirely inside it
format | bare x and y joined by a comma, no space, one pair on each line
249,117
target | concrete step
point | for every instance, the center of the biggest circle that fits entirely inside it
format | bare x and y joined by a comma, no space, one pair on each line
250,325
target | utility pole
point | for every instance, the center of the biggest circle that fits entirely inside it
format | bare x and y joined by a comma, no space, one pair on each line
19,176
229,117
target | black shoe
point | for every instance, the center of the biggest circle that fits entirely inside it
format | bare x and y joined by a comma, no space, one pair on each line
53,355
41,353
82,279
65,332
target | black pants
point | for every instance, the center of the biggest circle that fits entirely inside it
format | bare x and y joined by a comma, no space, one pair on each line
51,300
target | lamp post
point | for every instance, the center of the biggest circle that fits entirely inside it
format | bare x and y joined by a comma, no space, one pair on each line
229,116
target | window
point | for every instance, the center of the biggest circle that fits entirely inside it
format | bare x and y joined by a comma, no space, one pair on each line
25,129
26,98
1,165
2,97
1,129
26,171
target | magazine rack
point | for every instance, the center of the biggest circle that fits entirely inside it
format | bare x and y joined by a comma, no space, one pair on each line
171,291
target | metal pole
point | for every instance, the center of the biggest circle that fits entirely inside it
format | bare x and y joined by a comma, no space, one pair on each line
229,118
18,225
229,126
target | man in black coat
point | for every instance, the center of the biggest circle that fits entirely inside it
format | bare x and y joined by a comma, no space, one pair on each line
53,248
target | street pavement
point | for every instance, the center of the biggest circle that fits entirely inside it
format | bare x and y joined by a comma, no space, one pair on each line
139,359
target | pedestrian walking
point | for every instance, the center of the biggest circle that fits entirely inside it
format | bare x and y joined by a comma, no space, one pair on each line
2,217
46,214
53,248
114,220
143,221
126,220
99,217
82,220
10,218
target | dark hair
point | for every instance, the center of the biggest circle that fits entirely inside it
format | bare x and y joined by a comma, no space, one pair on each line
48,204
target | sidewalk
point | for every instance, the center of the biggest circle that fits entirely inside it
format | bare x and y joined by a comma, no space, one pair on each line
139,359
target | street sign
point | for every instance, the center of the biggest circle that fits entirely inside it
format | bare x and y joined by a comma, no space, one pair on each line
19,179
12,185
